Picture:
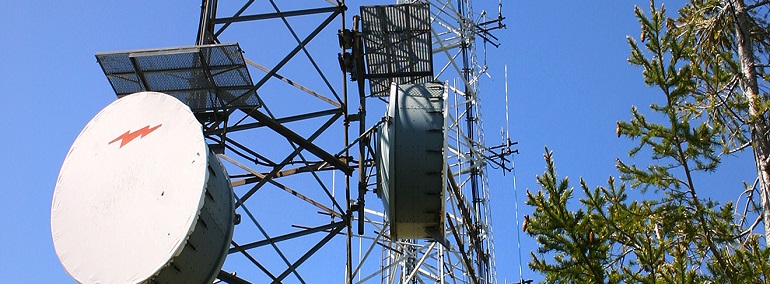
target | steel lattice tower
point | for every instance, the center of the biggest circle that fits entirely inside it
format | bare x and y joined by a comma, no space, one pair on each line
301,156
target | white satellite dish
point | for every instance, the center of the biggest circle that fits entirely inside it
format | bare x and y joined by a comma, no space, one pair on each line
141,199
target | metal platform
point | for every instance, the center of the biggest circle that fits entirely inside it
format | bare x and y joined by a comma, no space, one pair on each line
398,47
205,77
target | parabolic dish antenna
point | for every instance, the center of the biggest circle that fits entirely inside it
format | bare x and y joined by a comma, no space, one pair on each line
141,199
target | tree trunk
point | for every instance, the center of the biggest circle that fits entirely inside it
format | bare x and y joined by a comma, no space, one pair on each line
758,122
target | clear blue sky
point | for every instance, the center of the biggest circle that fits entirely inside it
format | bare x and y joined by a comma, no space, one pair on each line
569,83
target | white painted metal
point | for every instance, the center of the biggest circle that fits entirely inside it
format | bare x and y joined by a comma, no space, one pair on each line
139,197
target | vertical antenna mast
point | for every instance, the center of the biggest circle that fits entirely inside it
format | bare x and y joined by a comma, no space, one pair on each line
507,126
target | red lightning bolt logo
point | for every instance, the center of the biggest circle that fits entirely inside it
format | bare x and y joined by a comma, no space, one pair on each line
129,136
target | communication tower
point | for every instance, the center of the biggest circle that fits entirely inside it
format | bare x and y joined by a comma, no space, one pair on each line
311,108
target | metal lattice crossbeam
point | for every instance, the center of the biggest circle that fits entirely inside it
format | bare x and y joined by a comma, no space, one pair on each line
398,47
205,77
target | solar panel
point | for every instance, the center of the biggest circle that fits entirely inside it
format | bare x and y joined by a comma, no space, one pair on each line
205,77
397,45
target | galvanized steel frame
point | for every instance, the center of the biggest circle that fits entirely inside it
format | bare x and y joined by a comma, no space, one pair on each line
470,259
220,128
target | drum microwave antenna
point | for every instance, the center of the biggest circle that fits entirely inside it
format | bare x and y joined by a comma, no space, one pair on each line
141,199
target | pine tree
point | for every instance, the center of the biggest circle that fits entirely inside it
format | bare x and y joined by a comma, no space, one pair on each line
730,72
677,236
